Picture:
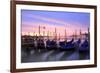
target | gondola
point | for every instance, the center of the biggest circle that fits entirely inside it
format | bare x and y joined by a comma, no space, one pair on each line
77,43
40,44
67,45
51,44
84,46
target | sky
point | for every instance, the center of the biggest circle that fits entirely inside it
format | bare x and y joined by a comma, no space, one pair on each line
51,20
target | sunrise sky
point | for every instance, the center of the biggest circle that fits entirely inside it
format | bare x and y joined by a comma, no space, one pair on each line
49,20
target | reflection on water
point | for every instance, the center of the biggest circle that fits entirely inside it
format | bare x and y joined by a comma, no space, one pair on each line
53,55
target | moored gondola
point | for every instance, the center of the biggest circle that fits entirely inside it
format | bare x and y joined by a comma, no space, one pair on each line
84,46
67,45
77,43
51,44
40,44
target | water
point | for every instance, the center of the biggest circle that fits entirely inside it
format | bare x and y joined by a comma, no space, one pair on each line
53,55
45,55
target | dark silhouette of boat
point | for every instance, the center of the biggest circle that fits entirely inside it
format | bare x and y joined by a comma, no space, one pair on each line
67,45
51,44
84,46
77,43
40,44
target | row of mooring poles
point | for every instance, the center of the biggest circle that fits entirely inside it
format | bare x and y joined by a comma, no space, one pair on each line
65,35
48,33
40,30
59,36
75,36
55,33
